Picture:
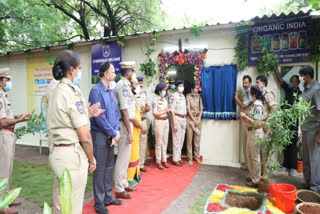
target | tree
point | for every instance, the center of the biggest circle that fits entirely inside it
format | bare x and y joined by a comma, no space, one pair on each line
287,7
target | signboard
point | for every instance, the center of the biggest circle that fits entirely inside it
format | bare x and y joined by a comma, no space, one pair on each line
39,75
286,38
110,52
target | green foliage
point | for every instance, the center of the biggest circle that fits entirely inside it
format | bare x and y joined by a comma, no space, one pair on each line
148,67
151,137
10,196
299,143
286,6
242,49
36,123
280,134
315,4
66,192
314,39
267,63
195,30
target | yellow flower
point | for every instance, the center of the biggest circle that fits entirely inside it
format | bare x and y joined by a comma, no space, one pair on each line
216,196
272,208
244,189
167,65
236,210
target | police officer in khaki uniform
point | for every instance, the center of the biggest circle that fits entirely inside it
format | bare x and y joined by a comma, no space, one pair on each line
178,108
194,109
254,132
126,102
160,110
245,105
69,131
7,137
170,91
142,99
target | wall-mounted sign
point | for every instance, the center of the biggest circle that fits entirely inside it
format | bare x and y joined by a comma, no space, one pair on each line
286,38
110,52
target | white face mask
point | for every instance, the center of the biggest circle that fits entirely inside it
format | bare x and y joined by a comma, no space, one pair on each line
301,80
137,90
112,85
181,89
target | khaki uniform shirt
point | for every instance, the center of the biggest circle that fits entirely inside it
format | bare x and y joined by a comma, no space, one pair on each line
311,94
256,111
194,103
125,97
270,102
159,104
169,93
247,100
5,106
67,112
178,103
142,100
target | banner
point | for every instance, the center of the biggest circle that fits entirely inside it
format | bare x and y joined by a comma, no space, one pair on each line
39,75
286,38
110,52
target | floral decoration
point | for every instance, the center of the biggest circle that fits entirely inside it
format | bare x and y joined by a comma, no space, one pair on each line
180,58
215,204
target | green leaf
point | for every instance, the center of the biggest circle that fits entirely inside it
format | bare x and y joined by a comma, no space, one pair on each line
46,208
66,192
3,184
9,198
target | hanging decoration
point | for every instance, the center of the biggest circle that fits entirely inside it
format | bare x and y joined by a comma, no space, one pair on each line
181,58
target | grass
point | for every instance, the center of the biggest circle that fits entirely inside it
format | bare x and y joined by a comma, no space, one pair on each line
198,205
36,181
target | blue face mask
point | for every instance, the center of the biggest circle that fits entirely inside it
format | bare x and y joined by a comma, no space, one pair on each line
8,87
163,93
77,79
172,86
248,90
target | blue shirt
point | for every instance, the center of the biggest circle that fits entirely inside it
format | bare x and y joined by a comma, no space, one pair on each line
108,122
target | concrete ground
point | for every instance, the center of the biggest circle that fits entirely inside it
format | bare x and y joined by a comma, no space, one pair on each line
205,180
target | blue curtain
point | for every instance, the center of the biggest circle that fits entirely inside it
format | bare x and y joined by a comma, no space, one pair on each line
218,86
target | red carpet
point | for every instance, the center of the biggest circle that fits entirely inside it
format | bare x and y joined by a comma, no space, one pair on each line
156,191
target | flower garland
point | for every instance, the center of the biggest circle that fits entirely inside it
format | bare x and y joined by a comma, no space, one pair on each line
180,58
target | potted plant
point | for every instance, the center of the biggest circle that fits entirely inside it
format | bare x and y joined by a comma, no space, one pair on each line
299,162
280,136
151,142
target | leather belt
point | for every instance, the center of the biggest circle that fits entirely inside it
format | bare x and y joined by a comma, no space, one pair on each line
143,118
8,129
162,118
63,145
254,128
180,115
196,115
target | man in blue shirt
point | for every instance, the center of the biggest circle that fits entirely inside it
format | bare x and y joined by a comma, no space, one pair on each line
105,133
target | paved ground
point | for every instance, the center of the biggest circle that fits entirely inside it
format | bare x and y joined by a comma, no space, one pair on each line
205,180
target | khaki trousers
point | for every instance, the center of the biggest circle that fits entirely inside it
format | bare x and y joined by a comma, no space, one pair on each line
161,131
253,154
243,138
7,147
75,160
143,144
178,138
123,159
192,136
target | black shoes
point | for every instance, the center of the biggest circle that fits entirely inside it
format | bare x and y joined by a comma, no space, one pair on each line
101,210
114,202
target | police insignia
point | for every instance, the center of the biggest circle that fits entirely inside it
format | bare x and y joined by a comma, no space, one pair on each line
1,105
258,112
153,105
80,107
125,92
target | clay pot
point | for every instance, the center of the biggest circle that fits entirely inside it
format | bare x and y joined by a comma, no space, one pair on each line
304,195
308,208
299,166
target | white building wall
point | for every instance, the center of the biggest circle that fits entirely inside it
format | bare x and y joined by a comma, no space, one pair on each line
220,144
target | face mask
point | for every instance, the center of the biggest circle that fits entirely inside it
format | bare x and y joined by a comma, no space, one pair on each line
247,90
112,85
301,80
163,93
181,89
8,87
77,79
172,86
137,90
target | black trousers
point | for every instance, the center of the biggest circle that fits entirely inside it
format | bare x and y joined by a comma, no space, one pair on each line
291,152
103,175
